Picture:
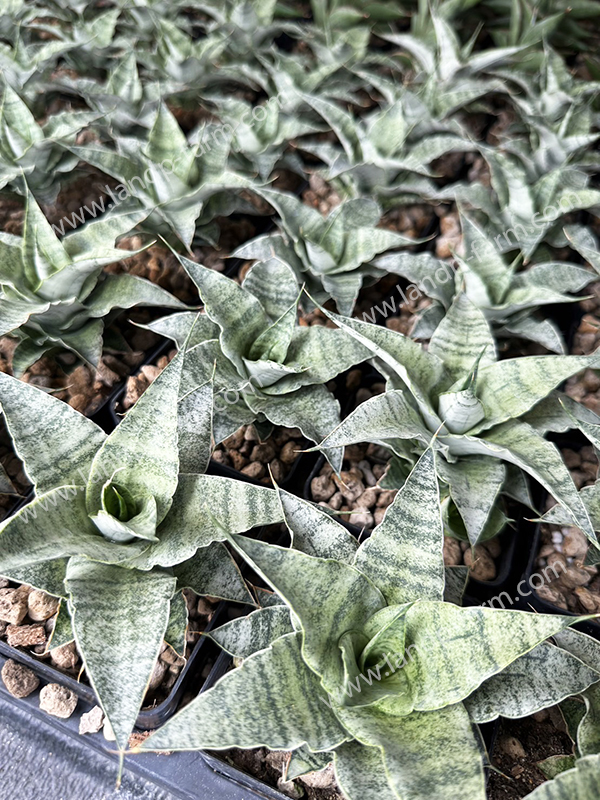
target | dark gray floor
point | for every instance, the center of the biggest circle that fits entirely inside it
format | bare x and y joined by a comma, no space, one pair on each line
36,764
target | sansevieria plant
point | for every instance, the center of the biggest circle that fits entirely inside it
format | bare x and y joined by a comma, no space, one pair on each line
490,416
53,294
116,529
362,661
268,369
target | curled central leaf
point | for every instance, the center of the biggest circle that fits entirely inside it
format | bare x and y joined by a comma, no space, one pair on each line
118,502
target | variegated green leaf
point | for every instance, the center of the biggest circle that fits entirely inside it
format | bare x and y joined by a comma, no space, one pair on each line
541,678
303,760
330,599
403,556
194,429
247,635
361,772
178,623
64,454
213,572
284,707
119,619
582,783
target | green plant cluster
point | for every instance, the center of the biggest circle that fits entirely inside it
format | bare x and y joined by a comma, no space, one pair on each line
360,654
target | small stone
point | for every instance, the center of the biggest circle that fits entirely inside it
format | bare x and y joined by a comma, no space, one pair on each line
13,606
41,606
158,674
169,656
362,395
57,700
150,372
238,461
493,547
349,485
368,498
588,602
386,498
322,488
92,721
571,458
277,470
250,434
573,576
25,635
254,470
289,452
481,564
323,779
3,583
204,608
335,502
19,680
290,789
453,556
65,656
367,472
234,441
263,453
361,517
512,747
575,544
353,379
378,515
552,595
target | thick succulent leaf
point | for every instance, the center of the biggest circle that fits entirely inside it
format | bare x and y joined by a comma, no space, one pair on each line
542,331
119,619
54,526
522,445
463,339
178,623
539,679
126,291
274,285
582,239
404,554
303,760
487,277
323,353
419,369
247,635
194,429
205,509
142,450
48,576
328,597
361,773
432,276
385,416
512,387
14,313
475,483
455,584
238,313
554,765
185,327
582,646
588,733
273,699
314,531
213,572
62,633
582,783
454,650
70,441
420,751
299,410
43,253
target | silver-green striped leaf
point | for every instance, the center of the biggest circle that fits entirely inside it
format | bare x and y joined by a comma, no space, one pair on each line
581,783
247,635
361,773
213,572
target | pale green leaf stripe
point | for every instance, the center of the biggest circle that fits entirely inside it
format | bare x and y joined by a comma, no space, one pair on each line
385,416
178,623
419,369
512,387
462,337
582,646
302,760
361,773
54,526
205,509
581,783
273,284
194,429
47,576
487,263
239,314
126,291
453,650
314,531
284,707
247,635
63,455
404,554
180,325
427,755
328,597
213,572
522,445
144,462
475,484
62,632
539,679
455,583
119,619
